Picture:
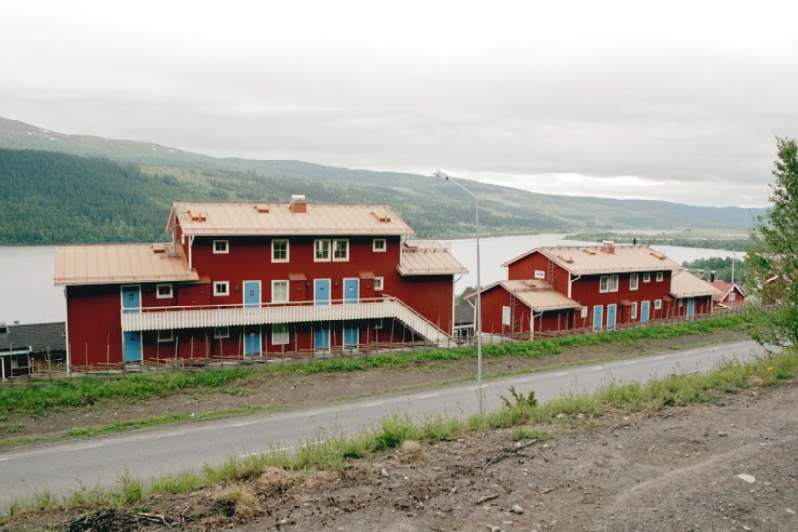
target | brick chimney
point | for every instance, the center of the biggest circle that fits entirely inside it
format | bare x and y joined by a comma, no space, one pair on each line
298,204
608,247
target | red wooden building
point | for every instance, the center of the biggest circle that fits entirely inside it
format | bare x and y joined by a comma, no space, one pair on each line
252,280
562,288
729,294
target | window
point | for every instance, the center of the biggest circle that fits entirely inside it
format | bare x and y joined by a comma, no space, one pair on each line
583,312
540,274
280,292
732,296
3,329
340,250
634,281
378,324
280,335
221,247
221,288
163,291
657,304
220,333
506,315
280,251
321,250
660,276
379,245
646,277
378,284
166,336
633,311
608,283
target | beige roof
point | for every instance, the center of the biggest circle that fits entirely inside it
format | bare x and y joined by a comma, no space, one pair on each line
537,295
590,260
428,258
685,284
248,218
119,263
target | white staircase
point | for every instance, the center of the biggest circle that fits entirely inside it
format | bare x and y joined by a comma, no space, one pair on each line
422,326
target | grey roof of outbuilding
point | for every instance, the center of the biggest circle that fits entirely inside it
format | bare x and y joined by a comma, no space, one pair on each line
37,336
463,314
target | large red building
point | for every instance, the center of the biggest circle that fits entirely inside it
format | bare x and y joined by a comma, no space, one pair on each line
553,289
256,279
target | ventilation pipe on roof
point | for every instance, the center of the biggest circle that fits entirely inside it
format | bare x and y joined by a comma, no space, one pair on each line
608,247
712,276
298,204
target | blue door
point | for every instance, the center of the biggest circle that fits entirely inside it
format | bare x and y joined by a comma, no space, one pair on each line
132,346
252,293
251,343
351,337
321,292
644,309
690,308
351,290
321,339
611,311
131,298
598,317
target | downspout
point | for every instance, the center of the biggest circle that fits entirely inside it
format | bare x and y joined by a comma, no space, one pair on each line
190,245
532,328
66,335
454,297
571,282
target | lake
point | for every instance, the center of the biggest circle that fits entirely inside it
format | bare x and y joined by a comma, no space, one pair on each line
27,293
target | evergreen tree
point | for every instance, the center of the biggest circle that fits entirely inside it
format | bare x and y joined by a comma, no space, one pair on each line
773,258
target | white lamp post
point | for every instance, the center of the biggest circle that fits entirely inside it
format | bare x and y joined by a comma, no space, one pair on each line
478,325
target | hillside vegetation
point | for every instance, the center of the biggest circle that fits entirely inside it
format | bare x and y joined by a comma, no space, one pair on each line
155,175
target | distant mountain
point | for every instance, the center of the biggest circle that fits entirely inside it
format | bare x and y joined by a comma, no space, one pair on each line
433,208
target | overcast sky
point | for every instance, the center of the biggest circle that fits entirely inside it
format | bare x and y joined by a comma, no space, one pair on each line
681,101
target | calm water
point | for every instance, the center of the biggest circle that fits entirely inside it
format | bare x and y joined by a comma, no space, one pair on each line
27,293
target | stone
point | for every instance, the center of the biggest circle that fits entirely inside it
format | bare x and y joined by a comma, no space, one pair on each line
516,509
746,478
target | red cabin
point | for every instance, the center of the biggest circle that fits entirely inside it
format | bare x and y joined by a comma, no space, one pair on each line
729,294
257,280
554,289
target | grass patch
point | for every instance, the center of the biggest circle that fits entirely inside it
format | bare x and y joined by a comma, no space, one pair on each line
519,411
37,398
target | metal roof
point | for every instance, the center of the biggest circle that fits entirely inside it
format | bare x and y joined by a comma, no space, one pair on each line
428,258
685,284
538,295
120,263
592,260
276,219
37,336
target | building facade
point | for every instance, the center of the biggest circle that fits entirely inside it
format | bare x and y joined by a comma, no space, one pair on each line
556,289
258,280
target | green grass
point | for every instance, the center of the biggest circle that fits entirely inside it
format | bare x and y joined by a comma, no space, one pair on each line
332,452
39,397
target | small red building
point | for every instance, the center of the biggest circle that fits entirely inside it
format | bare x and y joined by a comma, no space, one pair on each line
730,294
256,280
553,289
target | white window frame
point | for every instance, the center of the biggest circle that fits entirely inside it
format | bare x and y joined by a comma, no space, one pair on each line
646,277
287,290
660,277
220,336
507,315
633,311
158,291
379,284
226,285
316,250
540,274
732,296
614,283
610,283
378,325
657,304
282,337
163,339
332,249
287,251
636,285
376,249
226,249
583,312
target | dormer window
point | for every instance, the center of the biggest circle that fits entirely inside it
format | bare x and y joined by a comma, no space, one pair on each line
221,247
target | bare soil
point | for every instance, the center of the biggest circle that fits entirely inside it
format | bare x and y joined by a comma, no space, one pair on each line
671,470
295,390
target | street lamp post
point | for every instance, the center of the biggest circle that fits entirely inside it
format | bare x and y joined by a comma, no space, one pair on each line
478,322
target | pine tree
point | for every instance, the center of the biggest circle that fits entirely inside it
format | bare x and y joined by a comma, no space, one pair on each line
773,258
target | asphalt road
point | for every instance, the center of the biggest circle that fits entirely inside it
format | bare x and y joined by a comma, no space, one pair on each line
63,467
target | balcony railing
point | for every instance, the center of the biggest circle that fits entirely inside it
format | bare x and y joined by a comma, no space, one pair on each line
194,317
